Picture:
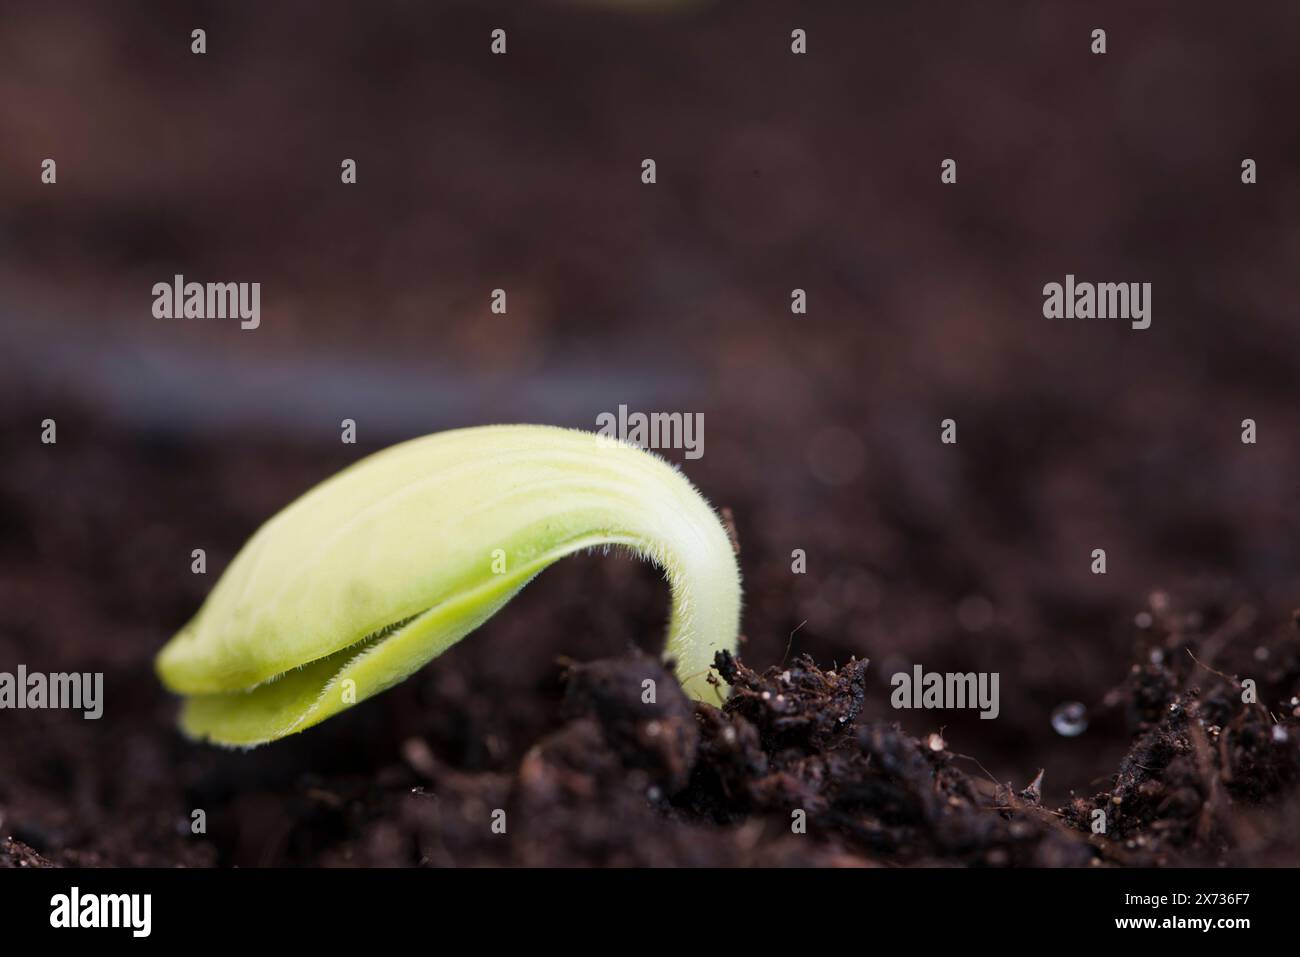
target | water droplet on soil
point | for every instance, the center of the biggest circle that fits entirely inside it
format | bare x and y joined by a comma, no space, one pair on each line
1070,719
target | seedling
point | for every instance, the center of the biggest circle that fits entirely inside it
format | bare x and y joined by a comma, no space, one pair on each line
379,569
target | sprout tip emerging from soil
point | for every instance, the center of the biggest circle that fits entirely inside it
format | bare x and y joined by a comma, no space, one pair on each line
379,569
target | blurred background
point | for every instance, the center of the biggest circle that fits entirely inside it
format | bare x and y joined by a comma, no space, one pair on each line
522,172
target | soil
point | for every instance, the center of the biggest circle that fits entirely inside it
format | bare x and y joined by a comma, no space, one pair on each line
528,718
823,430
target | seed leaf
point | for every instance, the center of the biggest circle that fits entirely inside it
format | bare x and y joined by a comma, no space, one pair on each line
381,568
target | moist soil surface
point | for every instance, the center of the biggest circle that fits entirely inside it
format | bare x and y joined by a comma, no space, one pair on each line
805,763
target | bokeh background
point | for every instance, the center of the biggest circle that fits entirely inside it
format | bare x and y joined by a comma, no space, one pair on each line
521,171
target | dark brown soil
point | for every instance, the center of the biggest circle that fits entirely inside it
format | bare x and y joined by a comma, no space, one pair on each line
585,771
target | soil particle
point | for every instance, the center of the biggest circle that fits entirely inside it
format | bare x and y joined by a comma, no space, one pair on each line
17,854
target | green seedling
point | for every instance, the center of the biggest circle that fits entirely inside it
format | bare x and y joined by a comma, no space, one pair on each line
379,569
